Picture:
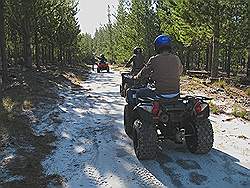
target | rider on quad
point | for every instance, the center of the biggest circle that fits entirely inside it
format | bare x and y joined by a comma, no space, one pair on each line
137,61
102,59
164,69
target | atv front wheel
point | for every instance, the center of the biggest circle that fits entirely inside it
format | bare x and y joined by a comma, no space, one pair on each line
125,87
203,137
145,140
98,70
128,120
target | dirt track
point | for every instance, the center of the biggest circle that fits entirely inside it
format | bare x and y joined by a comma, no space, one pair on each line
92,149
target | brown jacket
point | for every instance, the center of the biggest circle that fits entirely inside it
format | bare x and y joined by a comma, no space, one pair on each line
137,62
165,69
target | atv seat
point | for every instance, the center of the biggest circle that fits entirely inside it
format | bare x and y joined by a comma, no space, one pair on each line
145,99
167,100
160,99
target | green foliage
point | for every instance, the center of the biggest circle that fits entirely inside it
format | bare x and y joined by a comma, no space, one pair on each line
46,30
239,112
207,34
214,108
210,35
136,25
84,47
247,91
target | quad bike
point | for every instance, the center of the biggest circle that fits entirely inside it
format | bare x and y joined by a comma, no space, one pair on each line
180,119
102,66
128,82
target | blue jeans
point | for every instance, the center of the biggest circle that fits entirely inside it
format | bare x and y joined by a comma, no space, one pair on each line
145,92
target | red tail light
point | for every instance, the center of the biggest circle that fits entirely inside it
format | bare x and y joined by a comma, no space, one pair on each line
198,107
156,108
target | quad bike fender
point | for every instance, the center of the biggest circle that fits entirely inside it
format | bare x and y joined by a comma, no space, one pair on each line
204,113
143,111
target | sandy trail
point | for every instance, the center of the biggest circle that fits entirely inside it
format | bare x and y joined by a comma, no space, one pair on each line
92,149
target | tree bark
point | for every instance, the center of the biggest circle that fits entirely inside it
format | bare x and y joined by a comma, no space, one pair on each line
215,64
229,60
188,60
207,59
248,64
27,42
37,52
53,52
3,44
198,59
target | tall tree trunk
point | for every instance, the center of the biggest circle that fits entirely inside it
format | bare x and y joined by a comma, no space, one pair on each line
27,42
37,52
42,54
53,53
210,56
215,64
207,59
248,64
3,44
188,59
198,59
50,53
229,60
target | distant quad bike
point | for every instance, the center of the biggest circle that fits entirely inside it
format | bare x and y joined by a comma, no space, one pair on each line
102,66
180,119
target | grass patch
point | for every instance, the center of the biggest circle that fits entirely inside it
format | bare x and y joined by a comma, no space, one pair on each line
221,84
194,84
247,91
239,112
214,108
8,104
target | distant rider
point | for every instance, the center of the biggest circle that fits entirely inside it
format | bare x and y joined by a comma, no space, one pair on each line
164,69
137,61
102,59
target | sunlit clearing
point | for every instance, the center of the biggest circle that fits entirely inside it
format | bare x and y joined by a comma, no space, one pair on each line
66,135
92,173
79,110
63,109
8,104
79,149
115,181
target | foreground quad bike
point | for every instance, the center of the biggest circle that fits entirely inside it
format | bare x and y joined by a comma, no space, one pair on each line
180,119
102,66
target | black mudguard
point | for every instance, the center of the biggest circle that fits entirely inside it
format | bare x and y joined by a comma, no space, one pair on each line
143,114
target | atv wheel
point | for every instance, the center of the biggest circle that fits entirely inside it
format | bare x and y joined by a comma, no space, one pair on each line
98,70
202,140
108,69
128,120
145,140
125,87
122,91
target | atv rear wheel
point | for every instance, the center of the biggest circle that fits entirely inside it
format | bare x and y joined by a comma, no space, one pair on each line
128,120
98,70
108,69
145,140
202,140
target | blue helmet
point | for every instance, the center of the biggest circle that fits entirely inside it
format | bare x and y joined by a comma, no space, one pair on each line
162,41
